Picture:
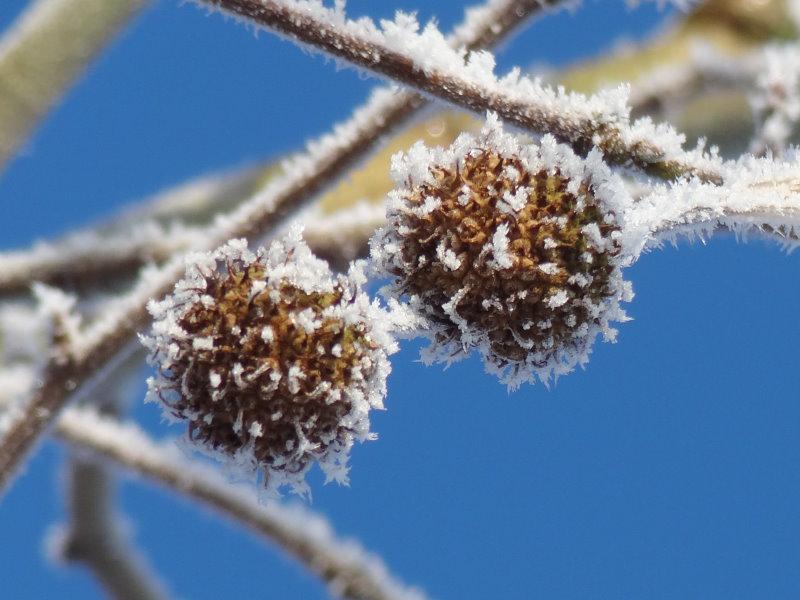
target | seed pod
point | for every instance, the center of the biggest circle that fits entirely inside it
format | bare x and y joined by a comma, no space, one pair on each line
507,247
274,363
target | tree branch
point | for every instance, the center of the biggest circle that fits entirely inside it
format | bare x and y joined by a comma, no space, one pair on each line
349,571
95,534
304,176
426,62
94,537
44,52
760,196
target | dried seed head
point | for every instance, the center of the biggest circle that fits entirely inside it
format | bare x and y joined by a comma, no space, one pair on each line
510,248
273,362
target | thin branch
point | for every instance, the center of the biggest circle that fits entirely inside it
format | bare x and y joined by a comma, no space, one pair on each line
349,571
96,539
304,176
90,259
427,63
343,236
87,258
760,196
111,252
44,52
667,88
96,535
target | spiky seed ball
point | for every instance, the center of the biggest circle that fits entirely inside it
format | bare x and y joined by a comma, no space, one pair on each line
273,362
507,247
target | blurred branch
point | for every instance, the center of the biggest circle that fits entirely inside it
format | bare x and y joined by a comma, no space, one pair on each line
670,88
342,236
349,570
95,535
151,232
44,52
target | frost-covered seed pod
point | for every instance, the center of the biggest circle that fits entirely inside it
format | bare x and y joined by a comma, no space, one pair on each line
273,362
508,247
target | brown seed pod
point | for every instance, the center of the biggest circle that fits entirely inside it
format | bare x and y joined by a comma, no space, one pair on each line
273,363
509,248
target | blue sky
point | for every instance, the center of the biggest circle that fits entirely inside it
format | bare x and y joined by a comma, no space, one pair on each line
667,469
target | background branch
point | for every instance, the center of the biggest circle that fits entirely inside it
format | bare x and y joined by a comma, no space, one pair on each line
96,535
96,538
349,571
44,52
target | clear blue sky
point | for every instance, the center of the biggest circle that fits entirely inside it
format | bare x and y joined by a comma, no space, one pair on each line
667,469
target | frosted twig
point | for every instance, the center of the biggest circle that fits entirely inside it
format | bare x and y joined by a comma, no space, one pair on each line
304,176
88,258
43,53
147,232
348,569
424,61
760,196
342,236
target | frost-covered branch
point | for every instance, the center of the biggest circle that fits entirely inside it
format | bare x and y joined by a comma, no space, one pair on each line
89,258
348,569
304,175
426,62
760,196
150,231
43,53
342,236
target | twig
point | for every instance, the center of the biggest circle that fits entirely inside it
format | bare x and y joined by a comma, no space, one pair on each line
43,53
88,259
349,571
95,535
705,70
760,196
114,251
425,62
304,176
342,236
95,539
